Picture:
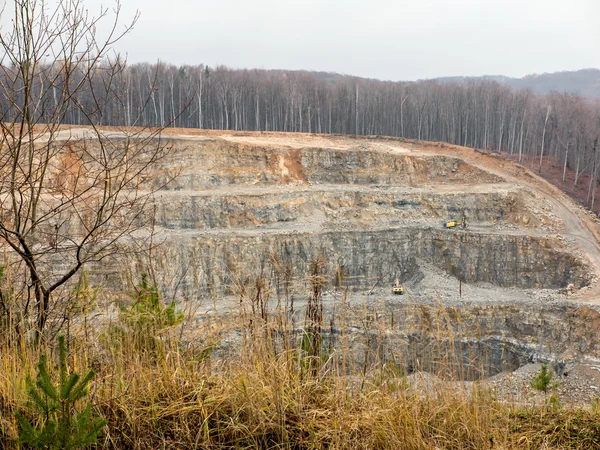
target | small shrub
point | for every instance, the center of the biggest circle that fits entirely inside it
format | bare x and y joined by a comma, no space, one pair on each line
58,424
148,309
147,316
83,295
543,380
554,402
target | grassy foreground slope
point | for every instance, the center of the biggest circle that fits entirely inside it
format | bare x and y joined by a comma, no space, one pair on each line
257,380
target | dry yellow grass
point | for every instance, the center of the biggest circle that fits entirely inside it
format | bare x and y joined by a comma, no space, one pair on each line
261,395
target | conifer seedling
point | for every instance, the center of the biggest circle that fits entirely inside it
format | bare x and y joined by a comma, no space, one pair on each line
58,423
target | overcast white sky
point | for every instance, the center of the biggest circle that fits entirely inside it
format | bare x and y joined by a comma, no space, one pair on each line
385,39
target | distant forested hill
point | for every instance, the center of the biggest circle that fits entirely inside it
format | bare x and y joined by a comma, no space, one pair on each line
584,82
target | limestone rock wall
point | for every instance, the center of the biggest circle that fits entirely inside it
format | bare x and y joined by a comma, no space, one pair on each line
184,210
213,263
197,165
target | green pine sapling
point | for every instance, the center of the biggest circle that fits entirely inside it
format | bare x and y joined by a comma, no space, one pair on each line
59,425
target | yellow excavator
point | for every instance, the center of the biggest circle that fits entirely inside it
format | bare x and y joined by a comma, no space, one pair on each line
397,289
463,223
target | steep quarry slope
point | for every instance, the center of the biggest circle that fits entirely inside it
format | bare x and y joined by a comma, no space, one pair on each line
247,213
374,209
230,204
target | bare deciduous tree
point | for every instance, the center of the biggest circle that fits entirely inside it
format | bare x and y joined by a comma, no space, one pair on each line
67,197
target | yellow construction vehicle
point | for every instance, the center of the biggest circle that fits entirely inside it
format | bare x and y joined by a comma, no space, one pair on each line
457,223
397,289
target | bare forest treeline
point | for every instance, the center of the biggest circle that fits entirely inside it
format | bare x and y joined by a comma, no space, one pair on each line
475,113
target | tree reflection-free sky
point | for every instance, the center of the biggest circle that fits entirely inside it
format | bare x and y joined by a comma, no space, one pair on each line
385,39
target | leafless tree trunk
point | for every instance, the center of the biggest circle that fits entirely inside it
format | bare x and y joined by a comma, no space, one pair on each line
65,199
594,178
543,138
577,165
356,111
564,177
521,136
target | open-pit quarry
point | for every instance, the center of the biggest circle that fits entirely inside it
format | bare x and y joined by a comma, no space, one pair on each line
517,287
375,211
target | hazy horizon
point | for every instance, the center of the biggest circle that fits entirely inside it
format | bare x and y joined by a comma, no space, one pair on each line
383,39
402,40
490,75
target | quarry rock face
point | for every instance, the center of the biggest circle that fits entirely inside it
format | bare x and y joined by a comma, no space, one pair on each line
483,341
373,212
214,262
210,210
208,163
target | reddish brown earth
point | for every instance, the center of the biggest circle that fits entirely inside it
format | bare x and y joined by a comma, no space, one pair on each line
552,170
